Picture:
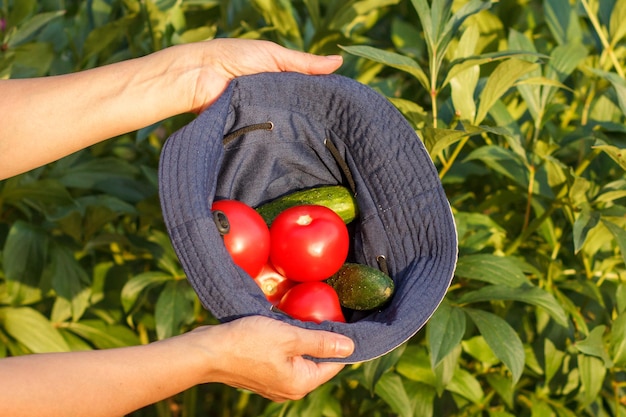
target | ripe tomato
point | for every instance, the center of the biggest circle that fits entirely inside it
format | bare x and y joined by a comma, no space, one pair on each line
308,243
273,285
312,301
246,235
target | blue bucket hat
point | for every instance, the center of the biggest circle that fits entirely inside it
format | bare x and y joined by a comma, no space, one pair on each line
274,133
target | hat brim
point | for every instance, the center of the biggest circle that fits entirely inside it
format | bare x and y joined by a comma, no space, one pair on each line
404,214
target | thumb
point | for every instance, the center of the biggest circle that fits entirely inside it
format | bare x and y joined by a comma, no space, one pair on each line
310,63
323,344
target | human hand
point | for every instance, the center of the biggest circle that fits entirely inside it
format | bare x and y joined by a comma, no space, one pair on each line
266,356
225,59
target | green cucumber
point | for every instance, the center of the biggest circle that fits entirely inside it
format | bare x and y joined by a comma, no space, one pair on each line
336,197
361,287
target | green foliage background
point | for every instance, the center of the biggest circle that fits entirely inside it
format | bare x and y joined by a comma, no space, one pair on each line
521,104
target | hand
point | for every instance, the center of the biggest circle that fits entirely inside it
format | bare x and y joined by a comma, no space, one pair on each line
266,356
80,109
226,59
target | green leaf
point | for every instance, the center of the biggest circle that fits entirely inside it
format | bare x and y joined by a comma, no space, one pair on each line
616,154
375,369
586,220
32,329
562,20
24,253
466,385
619,234
617,29
69,279
526,294
619,84
618,340
391,59
592,374
464,83
499,82
138,284
553,359
415,365
281,16
103,36
454,23
502,339
103,335
593,345
391,390
422,398
498,270
174,307
445,331
503,161
436,140
43,195
31,26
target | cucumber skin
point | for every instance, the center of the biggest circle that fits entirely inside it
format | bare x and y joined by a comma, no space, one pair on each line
336,197
361,287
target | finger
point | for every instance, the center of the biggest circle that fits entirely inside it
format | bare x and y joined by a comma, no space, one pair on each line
308,63
322,344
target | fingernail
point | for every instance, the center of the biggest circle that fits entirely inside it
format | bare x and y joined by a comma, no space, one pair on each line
334,57
344,347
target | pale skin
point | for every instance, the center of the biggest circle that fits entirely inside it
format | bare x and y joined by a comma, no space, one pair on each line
44,119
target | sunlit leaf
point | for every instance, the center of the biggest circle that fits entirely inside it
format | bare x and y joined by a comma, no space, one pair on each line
140,283
593,345
391,390
392,59
499,270
526,294
616,154
618,340
32,329
436,140
415,365
466,385
23,260
619,84
103,335
619,234
592,373
617,29
502,339
586,220
499,82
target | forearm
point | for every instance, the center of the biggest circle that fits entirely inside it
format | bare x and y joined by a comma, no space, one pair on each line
110,382
44,119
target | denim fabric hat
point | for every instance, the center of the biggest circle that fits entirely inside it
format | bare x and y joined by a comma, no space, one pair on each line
274,133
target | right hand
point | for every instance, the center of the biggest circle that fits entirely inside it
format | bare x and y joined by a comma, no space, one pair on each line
266,356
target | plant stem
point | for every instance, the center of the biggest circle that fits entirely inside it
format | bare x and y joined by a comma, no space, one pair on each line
446,166
603,39
529,199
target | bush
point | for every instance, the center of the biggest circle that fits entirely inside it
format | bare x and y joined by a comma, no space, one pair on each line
521,105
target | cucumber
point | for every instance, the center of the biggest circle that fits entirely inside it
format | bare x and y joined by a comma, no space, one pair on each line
361,287
336,197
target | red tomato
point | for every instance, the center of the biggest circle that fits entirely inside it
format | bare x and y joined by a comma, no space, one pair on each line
308,243
312,301
273,285
246,235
